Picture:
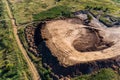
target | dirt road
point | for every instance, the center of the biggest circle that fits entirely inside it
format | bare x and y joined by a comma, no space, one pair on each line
34,72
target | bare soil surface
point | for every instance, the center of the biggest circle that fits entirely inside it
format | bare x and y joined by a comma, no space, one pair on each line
74,43
51,62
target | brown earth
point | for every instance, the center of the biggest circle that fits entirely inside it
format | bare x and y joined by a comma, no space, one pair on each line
74,43
50,61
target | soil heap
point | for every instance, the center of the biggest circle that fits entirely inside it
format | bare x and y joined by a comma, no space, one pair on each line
72,42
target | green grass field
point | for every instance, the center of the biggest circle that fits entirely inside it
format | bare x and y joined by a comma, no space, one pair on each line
12,64
55,12
23,11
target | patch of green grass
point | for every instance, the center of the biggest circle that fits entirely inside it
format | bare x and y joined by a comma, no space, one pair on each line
107,6
83,77
117,1
107,22
24,10
103,74
55,12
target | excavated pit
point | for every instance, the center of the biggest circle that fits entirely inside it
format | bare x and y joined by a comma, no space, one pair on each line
86,42
89,41
87,58
67,41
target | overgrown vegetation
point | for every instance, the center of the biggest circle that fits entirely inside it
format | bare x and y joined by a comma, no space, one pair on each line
24,10
12,64
55,12
103,74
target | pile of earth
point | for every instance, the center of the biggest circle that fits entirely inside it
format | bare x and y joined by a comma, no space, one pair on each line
69,47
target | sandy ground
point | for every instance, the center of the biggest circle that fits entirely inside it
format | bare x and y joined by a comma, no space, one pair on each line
61,34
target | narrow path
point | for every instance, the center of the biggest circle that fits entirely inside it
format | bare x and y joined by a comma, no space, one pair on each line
34,72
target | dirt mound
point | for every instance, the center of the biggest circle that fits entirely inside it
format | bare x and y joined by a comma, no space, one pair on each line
34,35
68,41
